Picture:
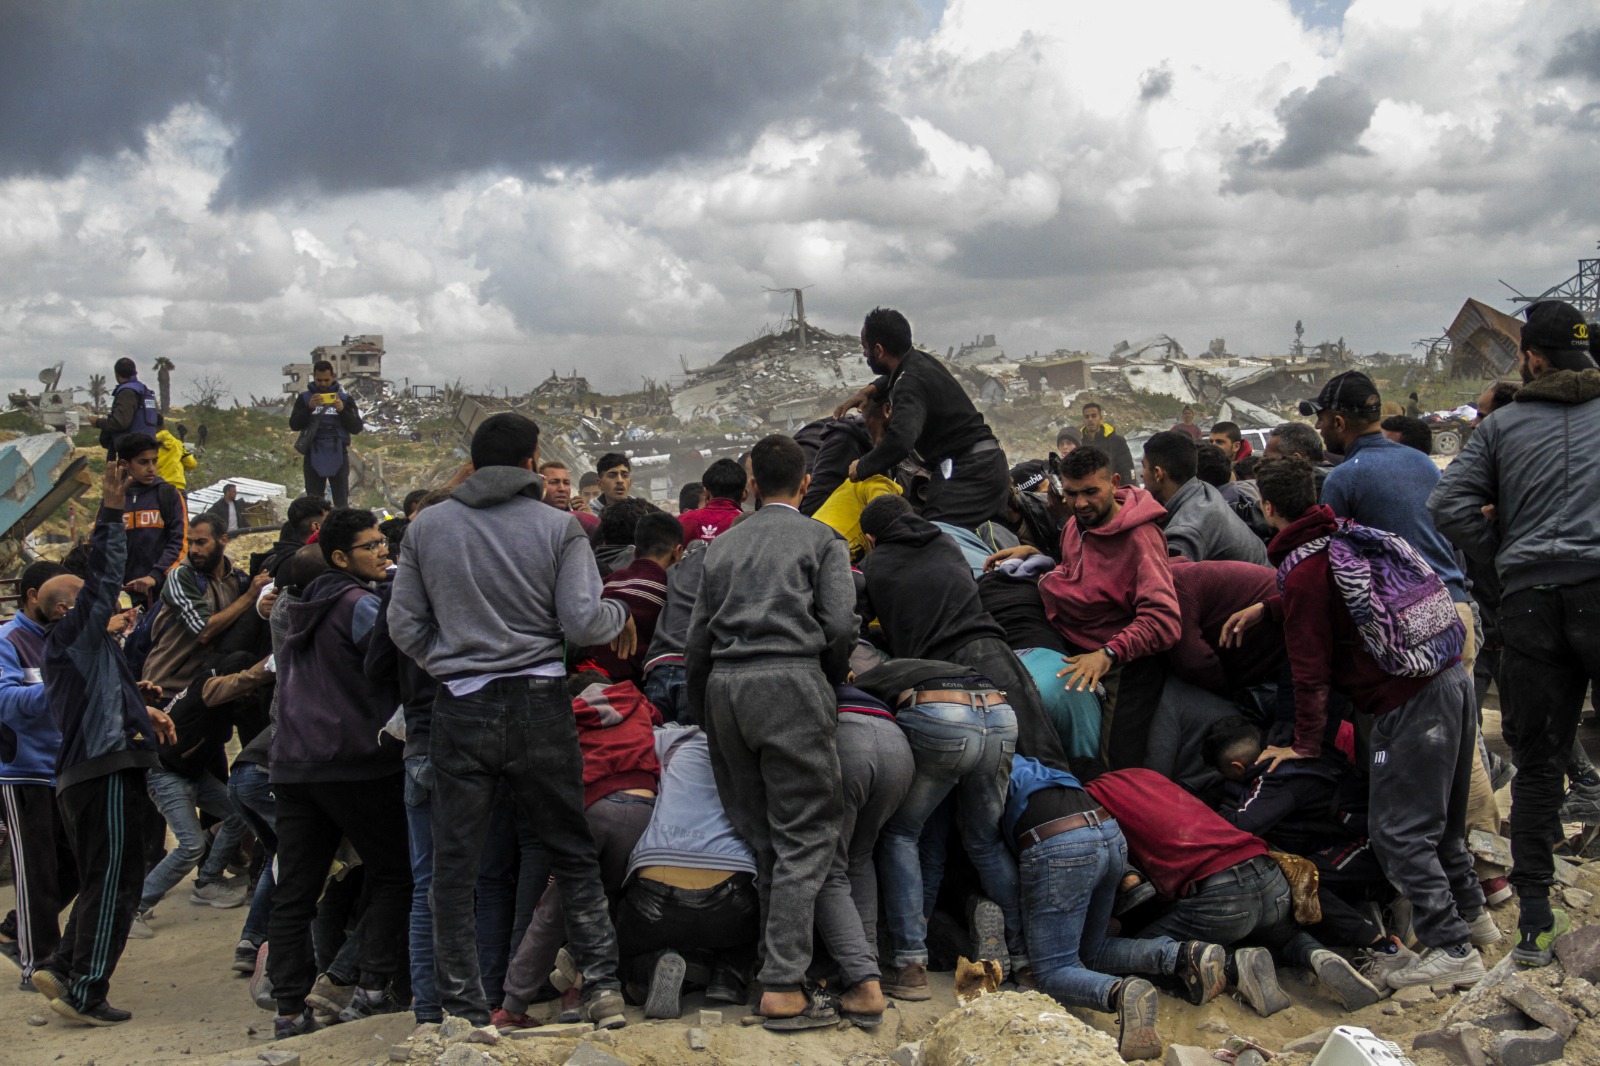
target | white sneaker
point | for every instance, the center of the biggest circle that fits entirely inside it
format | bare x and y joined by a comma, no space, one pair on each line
140,929
1484,930
1376,966
221,894
1436,966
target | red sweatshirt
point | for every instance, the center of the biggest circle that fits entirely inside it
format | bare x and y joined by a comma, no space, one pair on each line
616,730
1173,837
709,522
642,585
1209,594
1326,649
1114,586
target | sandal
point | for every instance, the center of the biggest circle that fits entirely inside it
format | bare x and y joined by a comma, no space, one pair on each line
860,1020
820,1013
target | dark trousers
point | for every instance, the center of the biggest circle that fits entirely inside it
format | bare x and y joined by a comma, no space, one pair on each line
771,725
1133,695
104,822
1253,906
712,928
338,485
45,873
1421,773
1037,737
518,731
1348,875
976,491
617,821
1551,652
311,820
513,875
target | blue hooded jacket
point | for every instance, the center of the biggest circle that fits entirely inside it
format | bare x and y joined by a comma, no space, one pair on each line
29,739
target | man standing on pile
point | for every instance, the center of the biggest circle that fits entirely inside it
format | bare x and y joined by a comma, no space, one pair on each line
1525,492
1097,434
969,477
133,408
326,417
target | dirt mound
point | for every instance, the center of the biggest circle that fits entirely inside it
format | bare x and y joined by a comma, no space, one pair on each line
1024,1028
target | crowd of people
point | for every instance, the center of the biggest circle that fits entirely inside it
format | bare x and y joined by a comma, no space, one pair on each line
871,700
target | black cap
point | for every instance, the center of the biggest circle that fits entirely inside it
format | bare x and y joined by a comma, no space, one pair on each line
1351,391
1559,332
1028,475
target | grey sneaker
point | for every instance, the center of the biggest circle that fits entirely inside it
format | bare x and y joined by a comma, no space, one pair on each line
140,929
1136,1018
1258,981
1376,966
224,895
604,1009
1581,805
1484,930
1436,966
1339,977
986,929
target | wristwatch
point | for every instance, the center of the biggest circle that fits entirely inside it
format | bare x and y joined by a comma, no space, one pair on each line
1111,654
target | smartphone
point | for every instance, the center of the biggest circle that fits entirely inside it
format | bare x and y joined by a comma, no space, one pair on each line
1053,475
325,399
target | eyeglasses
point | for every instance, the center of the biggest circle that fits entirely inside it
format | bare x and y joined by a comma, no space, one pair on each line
371,545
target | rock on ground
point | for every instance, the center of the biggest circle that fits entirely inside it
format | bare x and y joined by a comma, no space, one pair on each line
1020,1028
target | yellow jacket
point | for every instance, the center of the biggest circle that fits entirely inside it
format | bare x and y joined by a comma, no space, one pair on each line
173,460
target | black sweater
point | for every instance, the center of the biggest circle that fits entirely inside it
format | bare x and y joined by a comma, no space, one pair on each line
920,589
843,442
932,414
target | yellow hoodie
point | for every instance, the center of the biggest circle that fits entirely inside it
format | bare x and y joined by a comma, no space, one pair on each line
173,460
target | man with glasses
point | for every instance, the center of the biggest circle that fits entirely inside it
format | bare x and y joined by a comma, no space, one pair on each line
336,774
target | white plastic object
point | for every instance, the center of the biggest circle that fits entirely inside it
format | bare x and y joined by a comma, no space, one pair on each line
1351,1045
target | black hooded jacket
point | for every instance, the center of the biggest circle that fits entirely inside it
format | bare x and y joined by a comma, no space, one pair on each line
920,588
843,442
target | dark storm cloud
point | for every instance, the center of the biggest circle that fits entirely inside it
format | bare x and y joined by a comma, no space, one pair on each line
1319,123
1579,56
365,94
1155,83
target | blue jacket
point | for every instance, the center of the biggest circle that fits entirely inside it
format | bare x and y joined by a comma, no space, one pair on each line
330,428
1385,485
133,401
29,739
1027,777
94,699
157,520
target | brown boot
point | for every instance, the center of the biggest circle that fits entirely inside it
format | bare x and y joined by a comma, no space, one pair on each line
908,982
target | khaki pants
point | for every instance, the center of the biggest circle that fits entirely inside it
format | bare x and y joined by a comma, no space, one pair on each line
1483,812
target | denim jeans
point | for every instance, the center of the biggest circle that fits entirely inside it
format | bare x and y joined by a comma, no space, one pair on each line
519,731
966,749
252,798
419,838
177,797
513,874
1254,908
666,687
1069,886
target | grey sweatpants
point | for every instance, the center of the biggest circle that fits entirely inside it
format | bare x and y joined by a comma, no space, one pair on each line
1421,766
876,766
771,725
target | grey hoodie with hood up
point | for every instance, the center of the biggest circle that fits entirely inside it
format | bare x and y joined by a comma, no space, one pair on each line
491,581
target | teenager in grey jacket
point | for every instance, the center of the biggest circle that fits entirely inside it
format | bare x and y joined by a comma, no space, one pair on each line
1525,492
491,585
1201,526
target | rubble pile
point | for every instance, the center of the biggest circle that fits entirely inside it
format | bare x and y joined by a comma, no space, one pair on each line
1025,1028
775,379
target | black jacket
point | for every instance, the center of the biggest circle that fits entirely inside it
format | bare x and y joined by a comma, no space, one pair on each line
1015,604
932,415
843,442
387,664
920,589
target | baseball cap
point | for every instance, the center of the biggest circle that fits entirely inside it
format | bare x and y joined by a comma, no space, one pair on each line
1560,333
1028,475
1350,391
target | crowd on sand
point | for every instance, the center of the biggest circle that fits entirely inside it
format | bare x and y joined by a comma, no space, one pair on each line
873,697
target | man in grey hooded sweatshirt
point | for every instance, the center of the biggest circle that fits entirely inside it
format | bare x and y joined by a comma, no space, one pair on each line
491,584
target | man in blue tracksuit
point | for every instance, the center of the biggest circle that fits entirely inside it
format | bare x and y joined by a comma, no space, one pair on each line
46,877
108,741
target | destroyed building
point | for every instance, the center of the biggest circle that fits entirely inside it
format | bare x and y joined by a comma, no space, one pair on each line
1483,341
356,361
775,380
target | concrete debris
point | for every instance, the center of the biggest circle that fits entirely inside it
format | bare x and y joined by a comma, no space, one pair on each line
698,1041
1187,1055
400,1053
1579,952
463,1055
1215,1025
907,1054
1308,1044
279,1057
588,1054
708,1018
555,1029
1577,898
454,1029
1415,995
1539,1005
1020,1028
1459,1043
1581,995
1528,1049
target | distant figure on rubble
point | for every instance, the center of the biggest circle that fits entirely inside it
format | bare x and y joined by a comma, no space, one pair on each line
1100,435
326,418
133,408
1188,426
1413,406
969,478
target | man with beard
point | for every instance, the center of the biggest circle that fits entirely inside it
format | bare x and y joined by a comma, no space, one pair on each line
558,494
969,478
1523,494
205,598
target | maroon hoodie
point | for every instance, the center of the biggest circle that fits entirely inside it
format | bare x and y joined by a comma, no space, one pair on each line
1210,593
1114,585
616,730
1326,650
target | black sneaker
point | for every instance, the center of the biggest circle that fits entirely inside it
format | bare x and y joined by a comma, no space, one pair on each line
48,984
1203,970
666,987
101,1014
244,957
299,1025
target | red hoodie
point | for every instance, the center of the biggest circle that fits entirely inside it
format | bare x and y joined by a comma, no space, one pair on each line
1172,837
709,522
616,730
1327,650
1114,585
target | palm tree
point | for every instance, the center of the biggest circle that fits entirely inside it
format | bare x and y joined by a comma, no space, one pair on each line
164,368
97,392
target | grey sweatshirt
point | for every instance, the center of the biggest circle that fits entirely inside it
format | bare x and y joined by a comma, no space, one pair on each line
777,585
491,581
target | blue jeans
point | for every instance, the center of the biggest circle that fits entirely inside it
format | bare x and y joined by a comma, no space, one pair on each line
1252,906
176,797
419,836
966,750
1069,885
666,686
252,798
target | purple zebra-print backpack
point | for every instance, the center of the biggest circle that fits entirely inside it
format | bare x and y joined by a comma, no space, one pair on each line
1402,610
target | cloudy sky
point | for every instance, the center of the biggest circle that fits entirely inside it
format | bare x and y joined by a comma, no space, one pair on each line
501,187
